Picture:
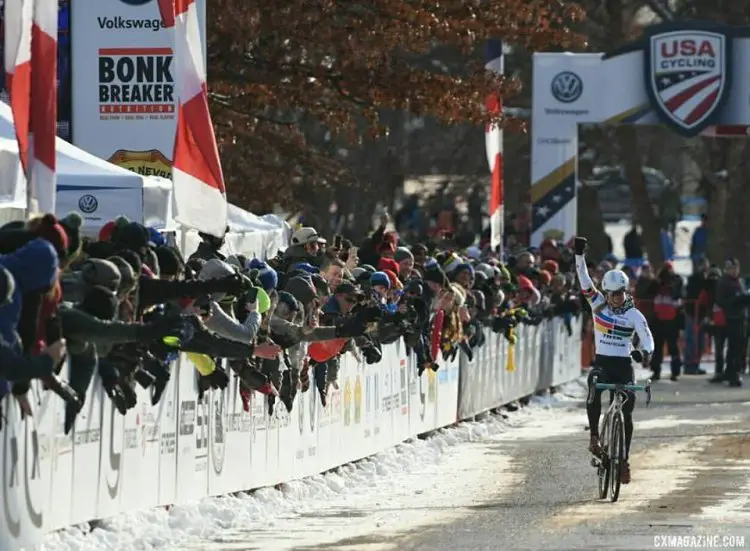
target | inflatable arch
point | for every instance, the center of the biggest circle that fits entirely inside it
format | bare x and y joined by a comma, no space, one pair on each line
693,77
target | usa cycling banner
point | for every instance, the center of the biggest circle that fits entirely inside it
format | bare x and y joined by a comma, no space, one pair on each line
124,105
690,76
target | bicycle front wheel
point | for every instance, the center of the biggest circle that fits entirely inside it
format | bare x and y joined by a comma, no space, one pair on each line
616,454
603,471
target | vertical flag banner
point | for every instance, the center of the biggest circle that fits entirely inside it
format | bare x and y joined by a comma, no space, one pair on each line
17,53
494,147
44,104
199,193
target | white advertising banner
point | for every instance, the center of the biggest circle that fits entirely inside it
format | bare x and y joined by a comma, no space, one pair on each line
124,105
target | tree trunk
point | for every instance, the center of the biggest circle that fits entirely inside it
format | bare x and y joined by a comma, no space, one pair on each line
643,211
735,224
590,222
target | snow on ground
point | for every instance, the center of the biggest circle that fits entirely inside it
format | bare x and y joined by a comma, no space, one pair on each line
416,483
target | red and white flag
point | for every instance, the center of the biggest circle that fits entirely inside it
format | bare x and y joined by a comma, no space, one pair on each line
43,104
199,192
494,148
18,15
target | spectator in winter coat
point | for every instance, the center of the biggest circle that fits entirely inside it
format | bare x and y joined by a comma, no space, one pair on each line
733,300
667,321
694,315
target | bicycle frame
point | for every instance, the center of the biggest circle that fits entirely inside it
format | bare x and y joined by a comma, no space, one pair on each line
619,400
608,463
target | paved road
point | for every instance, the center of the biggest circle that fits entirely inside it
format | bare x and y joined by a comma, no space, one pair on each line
691,477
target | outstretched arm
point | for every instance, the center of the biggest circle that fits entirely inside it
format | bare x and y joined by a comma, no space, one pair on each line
588,289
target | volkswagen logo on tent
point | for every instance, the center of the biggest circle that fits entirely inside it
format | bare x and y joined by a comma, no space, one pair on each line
88,204
567,87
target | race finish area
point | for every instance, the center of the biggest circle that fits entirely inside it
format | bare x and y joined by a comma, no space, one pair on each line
689,76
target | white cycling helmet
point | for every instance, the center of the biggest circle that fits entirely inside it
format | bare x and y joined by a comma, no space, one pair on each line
614,280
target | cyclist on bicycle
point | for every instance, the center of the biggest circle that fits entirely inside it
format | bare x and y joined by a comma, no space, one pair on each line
616,321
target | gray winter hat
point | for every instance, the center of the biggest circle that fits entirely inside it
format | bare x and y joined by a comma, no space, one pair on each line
402,253
97,272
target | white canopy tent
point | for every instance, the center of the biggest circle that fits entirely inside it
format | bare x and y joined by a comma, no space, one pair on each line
97,189
250,235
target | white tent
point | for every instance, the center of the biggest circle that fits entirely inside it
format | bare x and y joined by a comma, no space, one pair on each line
97,189
250,235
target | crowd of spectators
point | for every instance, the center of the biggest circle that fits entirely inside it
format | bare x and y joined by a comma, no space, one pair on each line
122,308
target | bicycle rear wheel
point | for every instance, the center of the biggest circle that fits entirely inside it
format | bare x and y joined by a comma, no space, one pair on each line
617,455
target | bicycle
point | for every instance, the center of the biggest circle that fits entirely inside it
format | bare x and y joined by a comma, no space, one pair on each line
608,464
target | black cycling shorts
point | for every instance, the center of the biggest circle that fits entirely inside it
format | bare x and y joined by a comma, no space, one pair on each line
614,370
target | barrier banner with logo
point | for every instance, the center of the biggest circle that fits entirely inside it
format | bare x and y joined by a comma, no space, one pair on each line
124,101
544,356
183,449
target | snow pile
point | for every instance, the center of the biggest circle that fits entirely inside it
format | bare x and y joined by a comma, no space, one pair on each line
227,520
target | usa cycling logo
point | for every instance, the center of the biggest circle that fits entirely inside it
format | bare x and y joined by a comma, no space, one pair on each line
88,204
688,76
567,87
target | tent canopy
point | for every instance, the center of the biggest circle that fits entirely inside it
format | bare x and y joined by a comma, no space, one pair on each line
97,189
250,235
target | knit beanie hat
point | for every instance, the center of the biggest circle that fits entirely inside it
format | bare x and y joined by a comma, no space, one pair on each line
388,264
96,272
436,275
551,266
268,278
127,275
301,288
72,225
464,266
133,260
380,278
289,301
105,234
133,236
402,253
170,263
48,228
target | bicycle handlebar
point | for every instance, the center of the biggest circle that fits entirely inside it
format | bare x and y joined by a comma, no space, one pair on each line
609,386
606,386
